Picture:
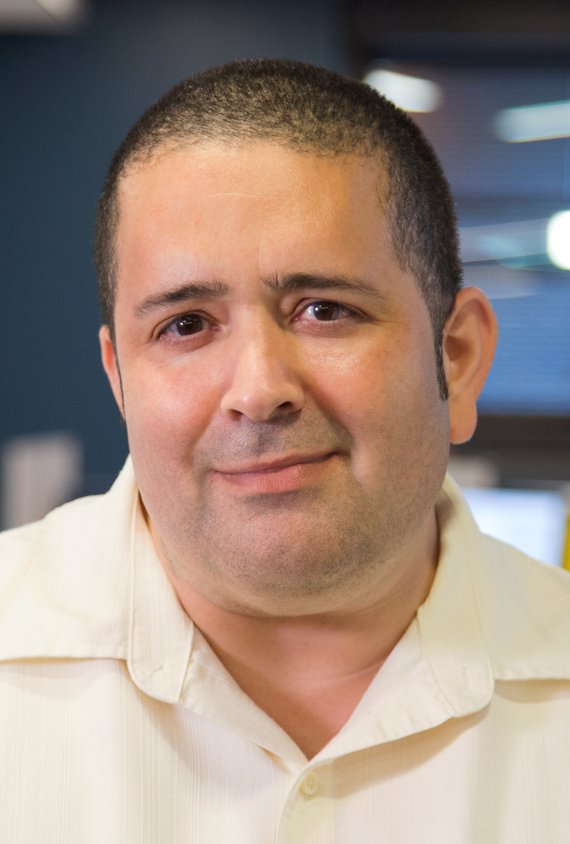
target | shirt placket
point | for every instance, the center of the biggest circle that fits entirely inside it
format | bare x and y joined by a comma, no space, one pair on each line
307,816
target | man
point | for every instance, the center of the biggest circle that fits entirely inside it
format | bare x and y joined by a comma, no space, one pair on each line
281,624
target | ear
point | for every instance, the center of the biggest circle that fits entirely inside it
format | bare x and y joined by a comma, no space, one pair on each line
110,365
469,341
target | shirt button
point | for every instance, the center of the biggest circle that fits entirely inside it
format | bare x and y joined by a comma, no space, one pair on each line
310,785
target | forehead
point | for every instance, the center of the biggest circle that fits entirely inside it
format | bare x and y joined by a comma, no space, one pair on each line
223,207
262,170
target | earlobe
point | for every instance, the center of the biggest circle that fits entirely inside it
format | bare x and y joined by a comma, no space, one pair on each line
469,341
110,365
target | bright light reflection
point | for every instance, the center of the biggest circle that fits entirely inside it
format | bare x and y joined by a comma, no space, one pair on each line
534,122
501,241
407,92
558,240
64,10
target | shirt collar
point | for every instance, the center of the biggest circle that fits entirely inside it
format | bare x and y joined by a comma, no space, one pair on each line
450,626
160,633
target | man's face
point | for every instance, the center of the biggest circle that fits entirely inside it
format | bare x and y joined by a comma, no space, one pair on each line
278,374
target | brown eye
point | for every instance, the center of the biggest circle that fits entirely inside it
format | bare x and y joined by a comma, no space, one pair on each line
324,311
188,324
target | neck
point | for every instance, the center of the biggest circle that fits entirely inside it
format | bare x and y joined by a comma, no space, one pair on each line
309,672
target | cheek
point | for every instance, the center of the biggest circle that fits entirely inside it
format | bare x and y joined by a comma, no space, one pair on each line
168,409
386,396
359,382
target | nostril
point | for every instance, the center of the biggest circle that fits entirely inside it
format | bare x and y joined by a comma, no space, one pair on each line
262,403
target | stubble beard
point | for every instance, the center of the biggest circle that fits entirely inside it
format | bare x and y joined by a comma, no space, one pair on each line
295,552
289,552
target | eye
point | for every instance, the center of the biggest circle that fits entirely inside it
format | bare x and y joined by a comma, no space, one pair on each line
185,325
328,311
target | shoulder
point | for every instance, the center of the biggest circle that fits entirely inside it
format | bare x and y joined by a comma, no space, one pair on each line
525,612
55,532
64,580
517,568
523,605
508,578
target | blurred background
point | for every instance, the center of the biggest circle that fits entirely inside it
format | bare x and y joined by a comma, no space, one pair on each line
487,81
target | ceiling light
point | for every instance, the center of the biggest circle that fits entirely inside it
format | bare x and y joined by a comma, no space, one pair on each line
407,92
534,122
502,241
64,10
558,240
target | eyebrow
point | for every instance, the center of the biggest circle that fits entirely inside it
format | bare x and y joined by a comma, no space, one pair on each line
184,293
317,281
216,289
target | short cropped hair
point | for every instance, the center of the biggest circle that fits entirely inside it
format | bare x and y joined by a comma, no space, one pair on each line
310,110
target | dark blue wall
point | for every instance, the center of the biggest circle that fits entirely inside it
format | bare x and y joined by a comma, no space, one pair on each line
65,104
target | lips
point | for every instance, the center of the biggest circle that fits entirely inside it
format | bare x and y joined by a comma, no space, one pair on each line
273,465
283,474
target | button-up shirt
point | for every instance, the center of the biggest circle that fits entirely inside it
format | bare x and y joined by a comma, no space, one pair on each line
119,724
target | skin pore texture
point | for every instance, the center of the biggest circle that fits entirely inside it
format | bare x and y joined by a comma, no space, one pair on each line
276,370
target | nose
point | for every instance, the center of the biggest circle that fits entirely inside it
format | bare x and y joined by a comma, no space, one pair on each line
265,383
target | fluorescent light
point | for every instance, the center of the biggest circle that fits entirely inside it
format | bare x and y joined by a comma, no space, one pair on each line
49,17
523,240
498,281
534,122
407,92
502,241
64,10
558,240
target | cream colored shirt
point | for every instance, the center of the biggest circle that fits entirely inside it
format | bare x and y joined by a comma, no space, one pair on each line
120,726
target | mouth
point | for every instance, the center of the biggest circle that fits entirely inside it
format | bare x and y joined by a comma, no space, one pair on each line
279,475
